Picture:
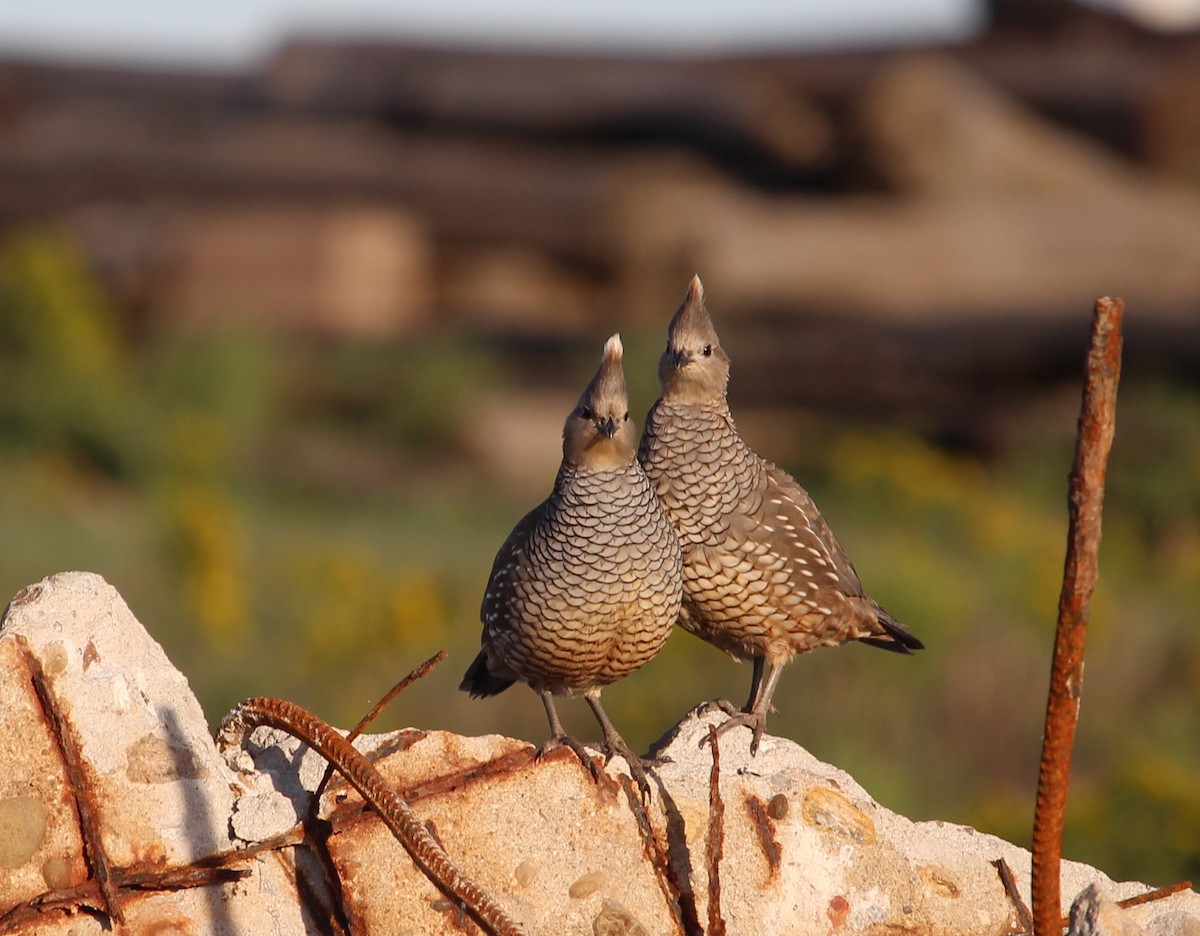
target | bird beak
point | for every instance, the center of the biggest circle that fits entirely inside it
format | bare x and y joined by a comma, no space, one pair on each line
607,427
680,359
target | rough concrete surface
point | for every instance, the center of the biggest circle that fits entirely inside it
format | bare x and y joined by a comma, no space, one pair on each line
804,849
161,792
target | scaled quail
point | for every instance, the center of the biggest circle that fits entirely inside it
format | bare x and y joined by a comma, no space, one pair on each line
587,587
764,579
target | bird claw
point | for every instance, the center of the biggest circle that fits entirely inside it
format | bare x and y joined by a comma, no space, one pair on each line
637,765
585,757
755,721
642,781
718,705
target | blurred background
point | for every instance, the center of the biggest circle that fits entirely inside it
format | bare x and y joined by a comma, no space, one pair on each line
294,300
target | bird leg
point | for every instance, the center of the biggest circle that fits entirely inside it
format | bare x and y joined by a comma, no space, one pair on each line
559,738
724,705
759,705
615,744
755,683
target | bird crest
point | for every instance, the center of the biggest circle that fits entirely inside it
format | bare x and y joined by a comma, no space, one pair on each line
691,324
599,434
694,367
607,387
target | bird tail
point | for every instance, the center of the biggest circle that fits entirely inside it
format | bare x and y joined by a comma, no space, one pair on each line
479,681
895,637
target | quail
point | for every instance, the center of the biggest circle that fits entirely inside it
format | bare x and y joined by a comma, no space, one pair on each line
587,587
764,578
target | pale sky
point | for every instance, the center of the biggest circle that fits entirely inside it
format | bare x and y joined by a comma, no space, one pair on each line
238,32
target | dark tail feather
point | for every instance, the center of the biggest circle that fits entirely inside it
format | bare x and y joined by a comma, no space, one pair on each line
480,681
896,638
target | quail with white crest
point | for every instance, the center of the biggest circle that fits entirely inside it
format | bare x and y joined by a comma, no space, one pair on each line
587,587
764,578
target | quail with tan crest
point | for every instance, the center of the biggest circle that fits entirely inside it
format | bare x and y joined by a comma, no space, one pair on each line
764,578
587,587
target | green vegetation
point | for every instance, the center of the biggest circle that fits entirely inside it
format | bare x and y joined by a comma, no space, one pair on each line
310,522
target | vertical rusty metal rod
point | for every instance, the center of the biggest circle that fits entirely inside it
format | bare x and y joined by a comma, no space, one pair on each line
716,839
1097,421
80,777
676,887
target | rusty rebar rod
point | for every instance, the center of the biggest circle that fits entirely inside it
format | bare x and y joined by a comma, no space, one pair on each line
419,673
1097,421
674,882
716,839
396,814
1159,893
1009,883
1014,897
82,785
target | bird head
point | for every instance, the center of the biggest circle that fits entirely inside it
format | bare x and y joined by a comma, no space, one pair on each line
599,433
694,368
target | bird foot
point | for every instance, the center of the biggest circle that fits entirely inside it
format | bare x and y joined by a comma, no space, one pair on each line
717,705
756,721
585,757
637,765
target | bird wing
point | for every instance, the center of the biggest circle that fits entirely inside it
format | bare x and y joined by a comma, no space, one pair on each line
498,594
814,533
790,527
787,531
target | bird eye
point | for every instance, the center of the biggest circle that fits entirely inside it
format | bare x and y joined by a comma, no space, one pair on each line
626,415
585,412
707,352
